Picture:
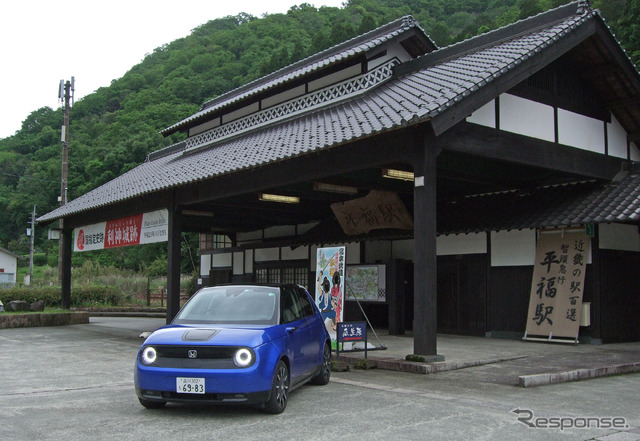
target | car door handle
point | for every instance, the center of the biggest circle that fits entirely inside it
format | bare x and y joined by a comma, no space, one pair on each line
291,329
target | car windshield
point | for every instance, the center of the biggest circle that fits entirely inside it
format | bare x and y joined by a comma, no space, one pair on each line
256,305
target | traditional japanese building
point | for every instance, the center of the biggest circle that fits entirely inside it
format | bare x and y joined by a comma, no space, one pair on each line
454,163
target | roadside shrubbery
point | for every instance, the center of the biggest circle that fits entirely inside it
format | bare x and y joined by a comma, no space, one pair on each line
80,296
93,284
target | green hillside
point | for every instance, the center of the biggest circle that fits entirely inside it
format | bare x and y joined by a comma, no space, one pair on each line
114,128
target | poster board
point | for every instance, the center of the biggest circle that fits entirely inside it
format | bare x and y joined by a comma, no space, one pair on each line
555,303
366,283
329,289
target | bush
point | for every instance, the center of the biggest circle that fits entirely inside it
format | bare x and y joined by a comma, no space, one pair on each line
52,295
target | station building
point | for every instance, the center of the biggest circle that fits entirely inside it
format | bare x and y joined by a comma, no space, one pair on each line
451,162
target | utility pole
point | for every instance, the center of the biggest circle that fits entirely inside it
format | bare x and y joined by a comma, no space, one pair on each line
65,94
33,235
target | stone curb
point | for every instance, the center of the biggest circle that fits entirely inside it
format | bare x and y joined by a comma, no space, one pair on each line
576,374
413,367
36,319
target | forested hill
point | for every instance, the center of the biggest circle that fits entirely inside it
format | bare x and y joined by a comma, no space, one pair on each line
113,129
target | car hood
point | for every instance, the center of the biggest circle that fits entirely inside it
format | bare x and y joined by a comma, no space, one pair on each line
224,335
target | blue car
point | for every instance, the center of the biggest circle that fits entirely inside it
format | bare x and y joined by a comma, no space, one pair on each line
249,344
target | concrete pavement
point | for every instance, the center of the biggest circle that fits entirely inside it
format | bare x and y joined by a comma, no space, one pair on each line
506,361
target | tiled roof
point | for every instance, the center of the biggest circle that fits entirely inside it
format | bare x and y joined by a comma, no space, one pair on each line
418,96
545,207
328,57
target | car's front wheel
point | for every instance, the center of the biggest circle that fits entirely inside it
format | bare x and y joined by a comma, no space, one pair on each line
151,404
279,390
324,375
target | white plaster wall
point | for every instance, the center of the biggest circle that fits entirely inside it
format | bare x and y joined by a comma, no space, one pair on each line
616,138
250,236
485,115
238,262
513,248
248,262
222,260
635,152
205,264
336,77
393,51
283,96
266,254
297,253
247,110
526,117
580,131
204,127
619,237
454,244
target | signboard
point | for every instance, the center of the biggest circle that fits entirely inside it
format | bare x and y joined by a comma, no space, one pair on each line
555,303
366,283
133,230
329,291
352,331
378,209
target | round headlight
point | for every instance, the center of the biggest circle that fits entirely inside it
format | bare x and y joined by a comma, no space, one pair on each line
243,357
149,355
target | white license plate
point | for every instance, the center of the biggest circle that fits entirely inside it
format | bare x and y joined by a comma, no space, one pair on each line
190,385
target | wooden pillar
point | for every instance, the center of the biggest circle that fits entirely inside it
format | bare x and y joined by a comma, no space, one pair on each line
424,233
65,273
173,263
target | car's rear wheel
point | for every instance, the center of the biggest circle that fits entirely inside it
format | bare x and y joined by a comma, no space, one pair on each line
152,404
279,390
324,375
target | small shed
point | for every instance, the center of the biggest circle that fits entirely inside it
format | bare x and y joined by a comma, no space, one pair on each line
8,267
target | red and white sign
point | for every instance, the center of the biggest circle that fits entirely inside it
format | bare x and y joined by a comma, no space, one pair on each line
133,230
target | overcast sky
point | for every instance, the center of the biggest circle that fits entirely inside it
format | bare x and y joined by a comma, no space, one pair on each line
45,41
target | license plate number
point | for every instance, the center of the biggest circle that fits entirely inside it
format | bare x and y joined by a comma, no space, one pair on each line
190,385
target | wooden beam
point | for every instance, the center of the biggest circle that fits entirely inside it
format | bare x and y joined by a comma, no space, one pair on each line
173,263
67,241
424,233
504,146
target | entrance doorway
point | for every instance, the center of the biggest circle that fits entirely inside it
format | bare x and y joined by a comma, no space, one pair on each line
462,293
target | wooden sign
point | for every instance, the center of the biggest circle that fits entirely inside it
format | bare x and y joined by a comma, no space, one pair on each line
555,301
378,209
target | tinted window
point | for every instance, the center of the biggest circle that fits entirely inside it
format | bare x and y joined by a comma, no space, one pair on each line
231,304
304,303
289,306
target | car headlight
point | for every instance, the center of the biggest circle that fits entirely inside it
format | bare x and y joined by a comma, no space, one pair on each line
149,355
243,357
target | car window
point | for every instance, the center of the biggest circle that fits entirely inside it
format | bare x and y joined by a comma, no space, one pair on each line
290,308
306,308
231,304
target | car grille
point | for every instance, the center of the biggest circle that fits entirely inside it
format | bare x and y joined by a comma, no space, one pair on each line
206,357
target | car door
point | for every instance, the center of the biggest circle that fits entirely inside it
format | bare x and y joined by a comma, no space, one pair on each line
297,331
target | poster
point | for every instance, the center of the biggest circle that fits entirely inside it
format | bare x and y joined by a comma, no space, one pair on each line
133,230
366,283
557,287
329,290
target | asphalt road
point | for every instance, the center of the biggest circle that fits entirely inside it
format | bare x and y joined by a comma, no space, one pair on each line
76,383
